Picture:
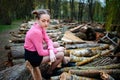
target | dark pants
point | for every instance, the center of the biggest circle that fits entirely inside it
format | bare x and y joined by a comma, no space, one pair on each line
33,57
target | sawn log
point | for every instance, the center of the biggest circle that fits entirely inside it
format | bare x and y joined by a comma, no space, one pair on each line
96,73
17,72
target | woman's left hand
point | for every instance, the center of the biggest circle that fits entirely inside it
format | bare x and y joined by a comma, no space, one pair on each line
52,56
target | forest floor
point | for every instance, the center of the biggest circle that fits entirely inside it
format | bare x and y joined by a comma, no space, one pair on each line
4,40
4,36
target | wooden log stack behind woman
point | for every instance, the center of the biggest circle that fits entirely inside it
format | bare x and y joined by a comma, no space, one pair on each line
35,50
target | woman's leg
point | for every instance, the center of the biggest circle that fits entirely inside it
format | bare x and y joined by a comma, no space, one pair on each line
59,58
46,59
56,44
65,59
35,71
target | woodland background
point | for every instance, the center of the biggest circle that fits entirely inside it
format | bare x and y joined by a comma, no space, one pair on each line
107,12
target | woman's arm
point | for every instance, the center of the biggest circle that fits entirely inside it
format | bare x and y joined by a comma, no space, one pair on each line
36,38
49,42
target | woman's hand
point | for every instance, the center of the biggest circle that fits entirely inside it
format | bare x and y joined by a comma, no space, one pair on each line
52,56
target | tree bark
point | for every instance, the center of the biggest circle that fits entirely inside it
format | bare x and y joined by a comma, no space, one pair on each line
106,76
95,73
17,72
17,52
112,66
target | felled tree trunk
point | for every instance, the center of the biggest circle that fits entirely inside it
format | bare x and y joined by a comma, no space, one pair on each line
86,45
106,76
95,73
17,52
112,66
87,60
15,55
67,76
17,35
93,57
70,37
7,47
77,59
23,30
17,40
17,72
54,27
75,29
81,52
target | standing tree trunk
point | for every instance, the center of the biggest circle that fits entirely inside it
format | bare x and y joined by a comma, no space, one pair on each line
5,12
49,5
80,11
72,8
90,4
56,8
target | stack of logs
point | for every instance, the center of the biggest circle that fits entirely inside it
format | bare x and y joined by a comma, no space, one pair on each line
91,59
91,62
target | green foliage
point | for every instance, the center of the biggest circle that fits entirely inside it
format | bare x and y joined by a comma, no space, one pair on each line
98,12
15,24
65,11
109,17
81,10
14,9
113,16
5,12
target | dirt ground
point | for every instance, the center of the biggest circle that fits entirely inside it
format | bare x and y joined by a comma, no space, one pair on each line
4,37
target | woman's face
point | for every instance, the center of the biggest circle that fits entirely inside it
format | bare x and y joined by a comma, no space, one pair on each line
44,20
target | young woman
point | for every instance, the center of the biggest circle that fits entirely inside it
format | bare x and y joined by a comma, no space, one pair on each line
35,50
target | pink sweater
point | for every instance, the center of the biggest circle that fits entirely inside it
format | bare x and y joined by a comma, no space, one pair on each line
34,40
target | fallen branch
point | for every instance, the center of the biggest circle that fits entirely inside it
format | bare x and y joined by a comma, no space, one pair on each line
87,60
93,57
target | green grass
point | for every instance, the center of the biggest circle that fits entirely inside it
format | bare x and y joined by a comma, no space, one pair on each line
15,24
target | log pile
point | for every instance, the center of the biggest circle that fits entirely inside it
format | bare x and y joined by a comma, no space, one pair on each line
92,60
